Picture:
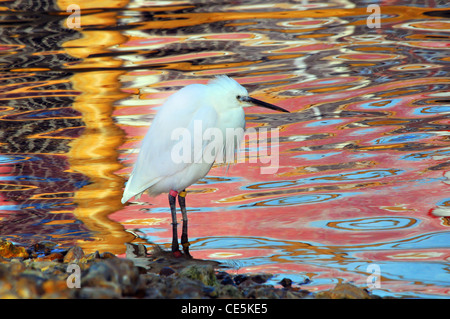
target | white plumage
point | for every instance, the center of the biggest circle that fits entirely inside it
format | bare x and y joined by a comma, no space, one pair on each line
188,134
215,105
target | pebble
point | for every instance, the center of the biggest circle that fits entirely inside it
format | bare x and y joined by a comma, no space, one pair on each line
166,271
73,255
203,273
240,279
345,291
286,282
9,250
260,278
40,271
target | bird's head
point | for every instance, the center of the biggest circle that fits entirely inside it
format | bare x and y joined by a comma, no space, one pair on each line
229,93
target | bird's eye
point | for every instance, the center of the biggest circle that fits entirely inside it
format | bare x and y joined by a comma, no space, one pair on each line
238,97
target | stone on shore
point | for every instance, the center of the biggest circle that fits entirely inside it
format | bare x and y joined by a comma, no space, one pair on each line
42,271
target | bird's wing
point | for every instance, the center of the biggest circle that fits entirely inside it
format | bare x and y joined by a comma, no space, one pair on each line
173,133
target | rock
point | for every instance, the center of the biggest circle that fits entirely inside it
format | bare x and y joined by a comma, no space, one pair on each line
153,293
240,279
43,274
229,291
184,287
117,273
49,266
107,255
203,273
89,258
344,291
220,275
286,283
263,292
153,286
28,286
135,250
54,288
73,255
166,271
305,281
98,273
300,294
9,250
50,257
6,286
128,275
98,293
14,268
260,278
226,279
43,247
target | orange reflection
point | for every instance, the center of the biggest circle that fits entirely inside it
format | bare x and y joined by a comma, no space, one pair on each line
94,153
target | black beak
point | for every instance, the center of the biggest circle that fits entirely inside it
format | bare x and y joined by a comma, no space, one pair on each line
263,104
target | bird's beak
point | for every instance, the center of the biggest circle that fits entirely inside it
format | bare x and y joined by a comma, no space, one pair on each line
262,104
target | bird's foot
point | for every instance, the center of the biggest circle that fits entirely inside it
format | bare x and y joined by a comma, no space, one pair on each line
176,249
186,249
177,254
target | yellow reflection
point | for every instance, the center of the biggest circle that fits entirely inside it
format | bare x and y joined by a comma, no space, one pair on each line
94,153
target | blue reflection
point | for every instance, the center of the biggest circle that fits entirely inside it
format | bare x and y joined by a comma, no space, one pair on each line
294,200
274,184
368,224
324,123
50,205
29,178
240,243
317,156
435,109
10,159
380,104
444,202
208,180
363,131
359,175
334,178
148,230
424,241
423,155
430,272
45,114
402,138
328,81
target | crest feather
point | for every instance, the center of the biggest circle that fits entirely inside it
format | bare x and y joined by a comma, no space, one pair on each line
228,84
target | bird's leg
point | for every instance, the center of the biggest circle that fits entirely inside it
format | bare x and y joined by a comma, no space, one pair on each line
184,235
173,209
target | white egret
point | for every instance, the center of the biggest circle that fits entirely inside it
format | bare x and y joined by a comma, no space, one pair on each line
217,105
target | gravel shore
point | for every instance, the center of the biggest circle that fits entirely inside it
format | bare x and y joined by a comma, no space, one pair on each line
45,271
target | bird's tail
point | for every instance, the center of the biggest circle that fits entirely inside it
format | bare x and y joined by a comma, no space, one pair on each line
137,189
128,193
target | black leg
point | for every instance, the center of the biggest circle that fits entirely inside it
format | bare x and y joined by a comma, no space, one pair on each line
184,235
173,210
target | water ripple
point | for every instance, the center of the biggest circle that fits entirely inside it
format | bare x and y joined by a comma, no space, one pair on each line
367,134
373,224
293,200
364,175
